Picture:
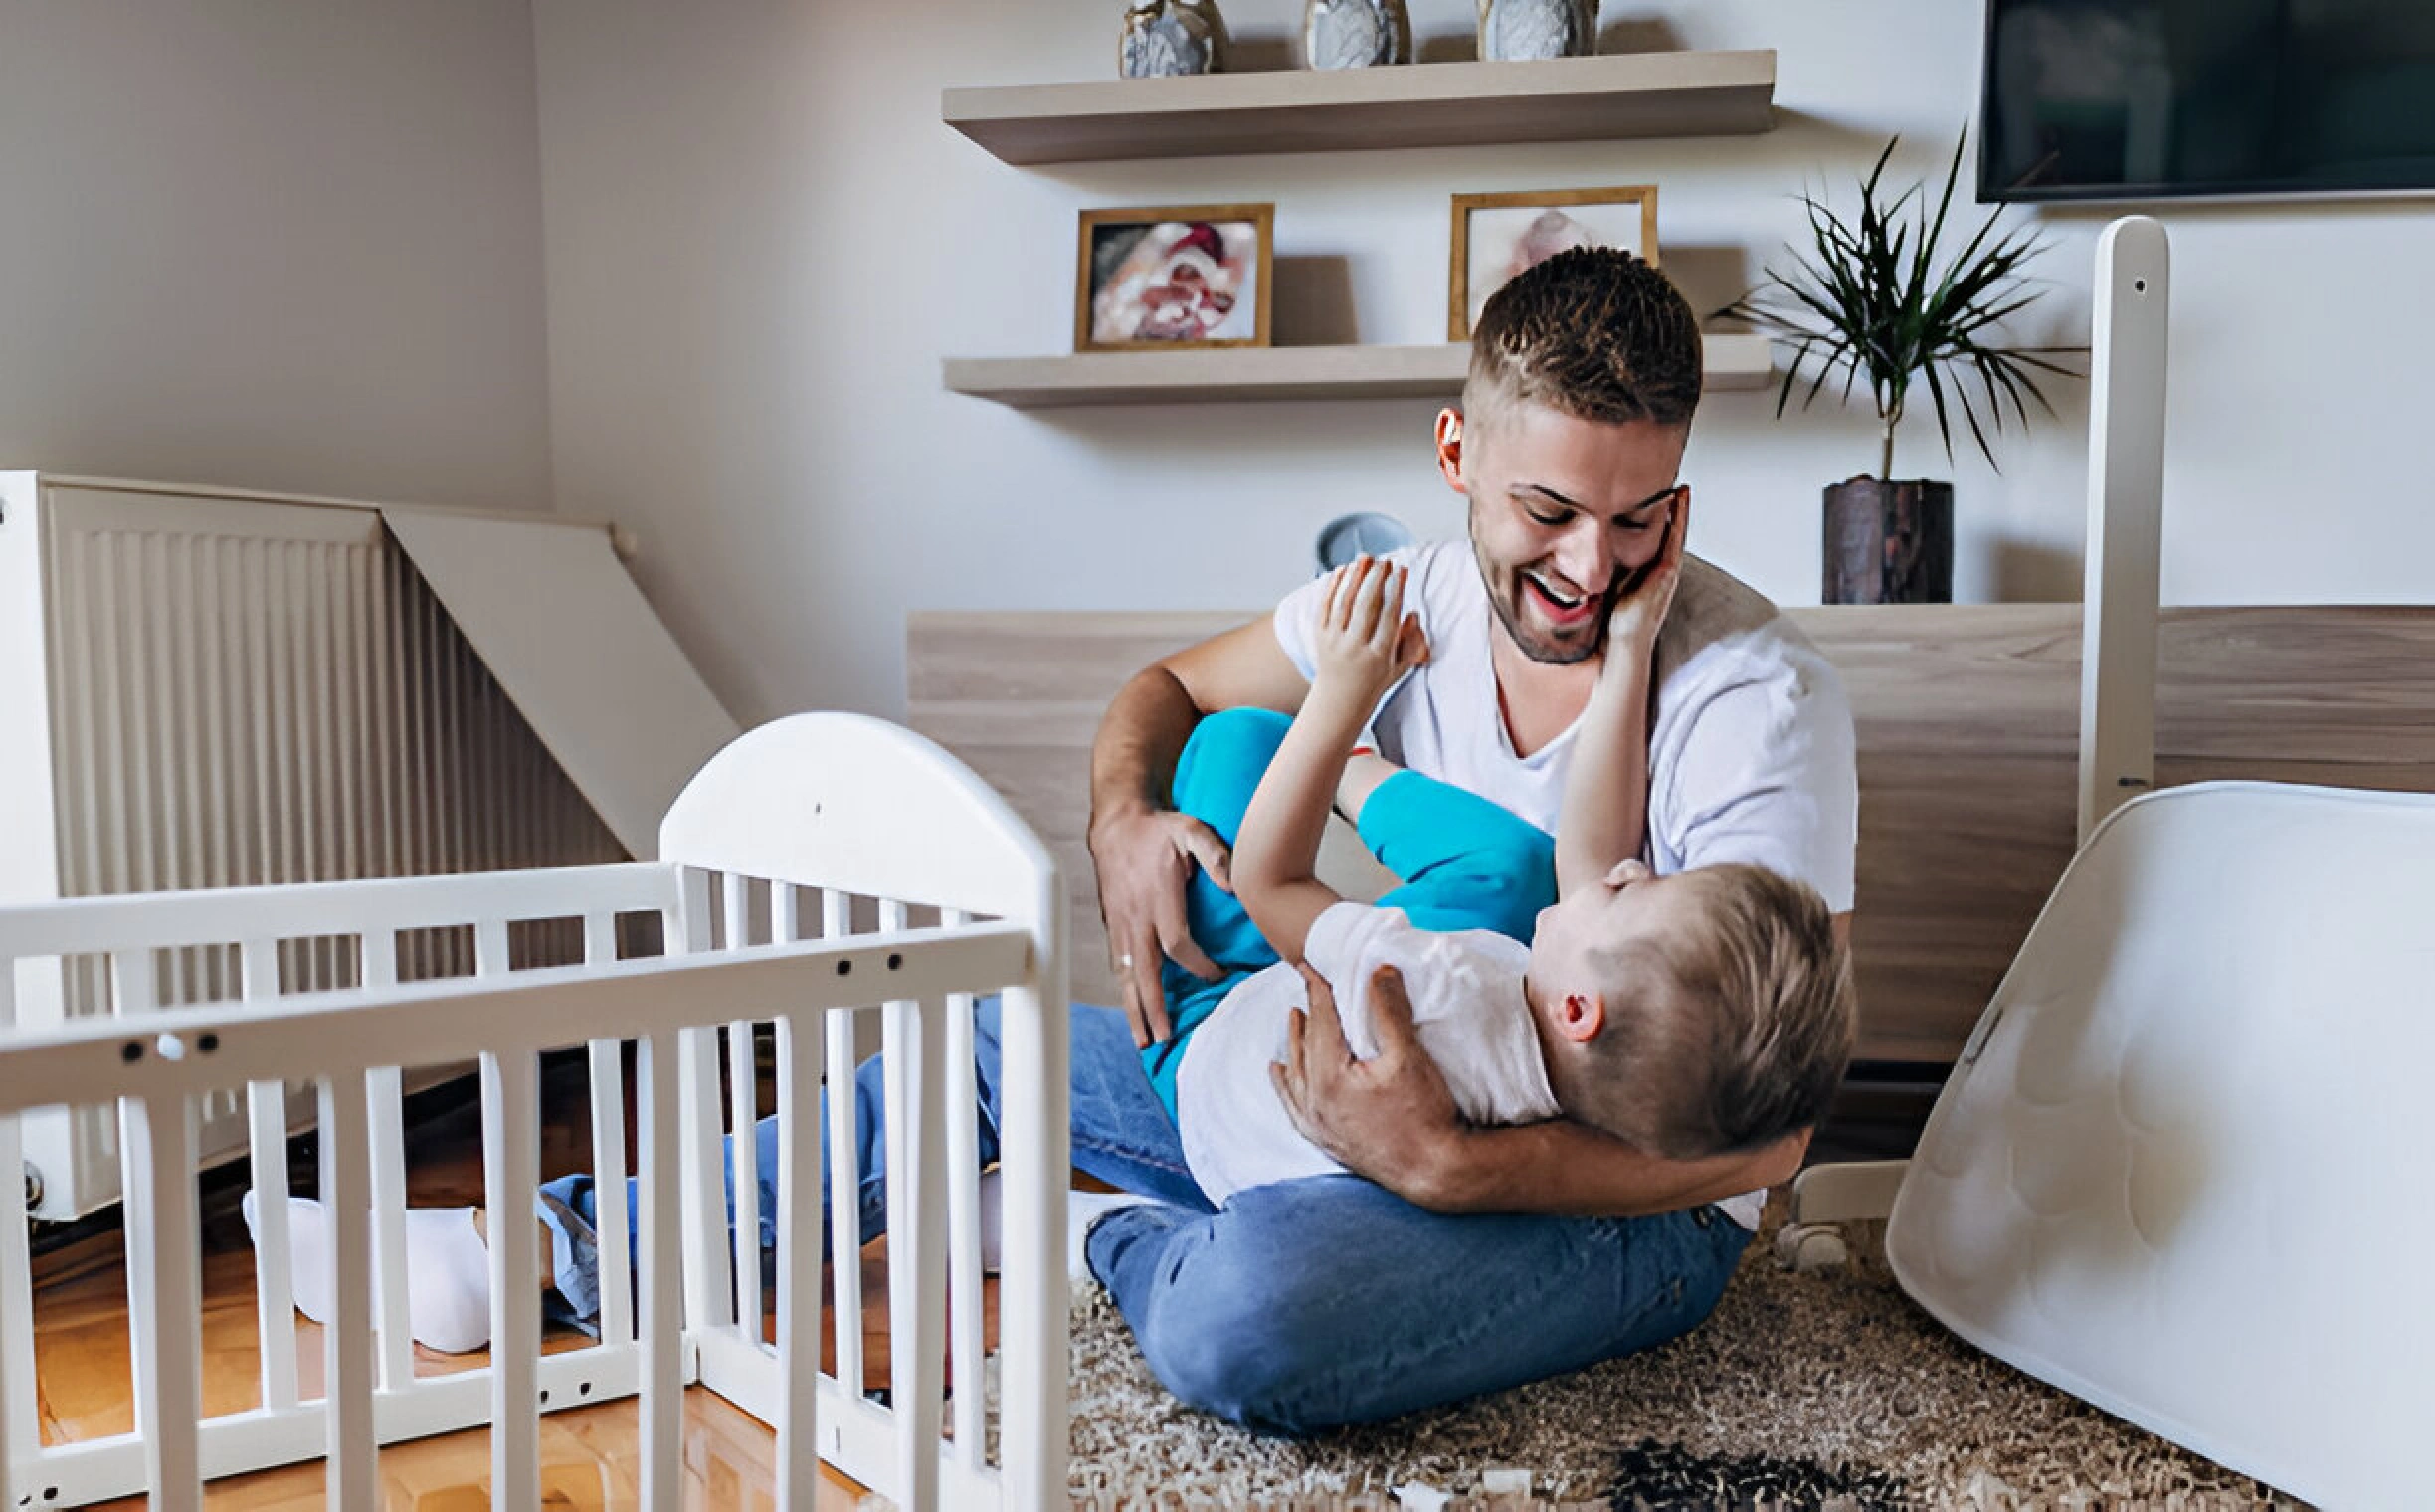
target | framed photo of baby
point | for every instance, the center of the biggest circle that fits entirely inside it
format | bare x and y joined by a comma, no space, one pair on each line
1177,275
1498,235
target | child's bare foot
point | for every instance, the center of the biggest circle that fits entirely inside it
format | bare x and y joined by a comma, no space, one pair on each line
1364,770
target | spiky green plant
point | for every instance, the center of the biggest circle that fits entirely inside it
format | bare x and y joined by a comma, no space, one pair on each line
1872,302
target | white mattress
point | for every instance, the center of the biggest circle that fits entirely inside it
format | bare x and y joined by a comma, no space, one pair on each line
2183,1168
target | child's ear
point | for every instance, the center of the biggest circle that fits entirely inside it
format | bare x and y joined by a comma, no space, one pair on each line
1583,1016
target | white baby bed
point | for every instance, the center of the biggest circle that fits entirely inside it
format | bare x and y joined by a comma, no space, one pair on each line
834,805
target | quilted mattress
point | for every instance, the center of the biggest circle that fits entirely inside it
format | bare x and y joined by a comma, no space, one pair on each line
2184,1169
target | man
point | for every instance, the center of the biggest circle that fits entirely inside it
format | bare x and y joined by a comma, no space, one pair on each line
1470,1259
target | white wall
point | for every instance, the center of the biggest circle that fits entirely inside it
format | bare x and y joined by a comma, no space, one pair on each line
761,241
291,245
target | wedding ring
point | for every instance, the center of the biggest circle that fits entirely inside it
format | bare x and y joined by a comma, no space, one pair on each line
1124,962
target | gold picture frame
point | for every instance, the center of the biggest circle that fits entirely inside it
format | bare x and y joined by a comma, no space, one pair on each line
1508,231
1215,254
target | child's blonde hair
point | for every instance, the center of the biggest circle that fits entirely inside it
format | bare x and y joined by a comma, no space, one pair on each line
1729,1037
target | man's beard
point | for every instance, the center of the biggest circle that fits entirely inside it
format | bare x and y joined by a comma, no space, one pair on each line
1529,641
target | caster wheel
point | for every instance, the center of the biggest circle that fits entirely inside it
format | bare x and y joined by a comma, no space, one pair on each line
1811,1247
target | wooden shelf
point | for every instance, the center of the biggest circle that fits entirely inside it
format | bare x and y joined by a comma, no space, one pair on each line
1428,104
1229,374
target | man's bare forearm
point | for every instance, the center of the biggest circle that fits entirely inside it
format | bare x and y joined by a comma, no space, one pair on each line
1563,1166
1140,739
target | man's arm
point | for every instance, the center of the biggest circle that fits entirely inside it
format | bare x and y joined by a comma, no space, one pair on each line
1392,1120
1142,850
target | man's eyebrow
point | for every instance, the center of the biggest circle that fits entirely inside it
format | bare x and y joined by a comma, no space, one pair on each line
1549,495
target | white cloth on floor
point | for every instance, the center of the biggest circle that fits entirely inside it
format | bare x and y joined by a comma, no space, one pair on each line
448,1270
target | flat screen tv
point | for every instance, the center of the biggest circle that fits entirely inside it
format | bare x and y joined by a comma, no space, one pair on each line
2133,100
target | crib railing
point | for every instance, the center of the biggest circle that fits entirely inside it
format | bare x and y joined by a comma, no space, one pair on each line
758,913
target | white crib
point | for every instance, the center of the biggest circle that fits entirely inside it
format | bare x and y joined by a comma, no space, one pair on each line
769,854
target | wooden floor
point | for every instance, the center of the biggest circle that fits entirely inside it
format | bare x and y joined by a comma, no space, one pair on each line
589,1456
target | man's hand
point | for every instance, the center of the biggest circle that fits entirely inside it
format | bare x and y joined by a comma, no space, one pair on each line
1387,1118
1632,623
1144,860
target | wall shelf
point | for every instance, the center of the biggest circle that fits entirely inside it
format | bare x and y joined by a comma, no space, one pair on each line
1429,105
1245,373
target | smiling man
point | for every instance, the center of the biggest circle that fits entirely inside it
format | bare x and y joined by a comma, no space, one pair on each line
1457,1260
1468,1259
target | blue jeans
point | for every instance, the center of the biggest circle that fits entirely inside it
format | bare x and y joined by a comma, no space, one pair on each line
1307,1305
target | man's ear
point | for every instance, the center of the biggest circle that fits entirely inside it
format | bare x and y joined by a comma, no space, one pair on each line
1451,449
1583,1016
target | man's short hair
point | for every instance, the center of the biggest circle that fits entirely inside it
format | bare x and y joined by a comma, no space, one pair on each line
1594,332
1733,1035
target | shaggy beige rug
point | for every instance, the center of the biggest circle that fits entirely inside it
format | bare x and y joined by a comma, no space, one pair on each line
1800,1391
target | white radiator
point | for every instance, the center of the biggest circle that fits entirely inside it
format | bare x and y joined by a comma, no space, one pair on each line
205,690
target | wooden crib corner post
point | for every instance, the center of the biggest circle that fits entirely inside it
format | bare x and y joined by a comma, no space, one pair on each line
1032,1293
20,1406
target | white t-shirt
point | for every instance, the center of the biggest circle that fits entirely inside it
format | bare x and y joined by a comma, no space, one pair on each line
1751,757
1467,1008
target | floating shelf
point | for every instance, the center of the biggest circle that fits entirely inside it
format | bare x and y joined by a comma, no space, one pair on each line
1243,373
1428,105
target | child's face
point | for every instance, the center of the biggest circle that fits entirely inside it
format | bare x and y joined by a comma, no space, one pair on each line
1629,902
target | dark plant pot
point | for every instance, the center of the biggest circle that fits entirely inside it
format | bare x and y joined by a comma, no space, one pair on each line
1888,543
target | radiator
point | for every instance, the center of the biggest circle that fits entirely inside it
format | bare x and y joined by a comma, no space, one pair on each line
203,691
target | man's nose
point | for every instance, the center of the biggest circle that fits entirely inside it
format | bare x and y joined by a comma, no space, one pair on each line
1585,557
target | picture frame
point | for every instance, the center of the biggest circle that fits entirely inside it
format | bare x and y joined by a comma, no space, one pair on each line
1168,277
1496,236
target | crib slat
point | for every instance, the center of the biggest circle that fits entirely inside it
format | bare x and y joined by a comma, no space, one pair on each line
1031,1291
799,1299
964,1220
917,1252
266,1143
385,1096
489,947
786,923
844,1190
709,1303
346,1193
663,1383
744,1158
609,1193
164,1261
512,1160
608,1154
916,1201
164,1282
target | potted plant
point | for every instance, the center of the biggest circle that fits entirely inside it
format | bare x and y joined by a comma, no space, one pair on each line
1878,301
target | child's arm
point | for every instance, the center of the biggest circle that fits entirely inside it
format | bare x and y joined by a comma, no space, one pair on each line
1605,798
1364,643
